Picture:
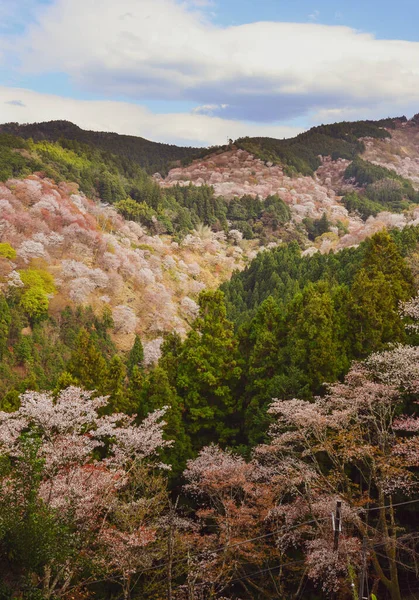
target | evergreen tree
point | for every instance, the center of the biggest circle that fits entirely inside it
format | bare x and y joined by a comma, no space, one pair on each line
113,385
5,321
136,356
383,256
157,393
87,364
264,369
171,350
208,374
313,348
378,288
135,391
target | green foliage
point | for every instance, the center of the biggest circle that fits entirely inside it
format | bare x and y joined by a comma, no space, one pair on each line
34,302
362,205
206,373
316,227
383,185
38,278
282,272
31,534
157,392
87,364
301,320
201,203
5,321
301,154
34,298
149,155
112,383
136,211
261,344
383,281
255,217
6,251
313,347
136,356
13,162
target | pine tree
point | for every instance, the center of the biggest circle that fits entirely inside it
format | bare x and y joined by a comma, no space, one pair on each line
136,356
5,321
374,317
157,393
113,386
86,363
383,256
313,348
208,374
264,368
135,391
171,350
380,285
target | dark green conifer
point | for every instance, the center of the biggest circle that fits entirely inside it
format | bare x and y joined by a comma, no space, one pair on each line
136,356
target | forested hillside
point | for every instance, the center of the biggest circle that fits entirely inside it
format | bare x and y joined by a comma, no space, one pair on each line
152,156
301,154
191,382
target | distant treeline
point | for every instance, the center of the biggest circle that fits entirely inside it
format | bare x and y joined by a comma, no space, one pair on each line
152,156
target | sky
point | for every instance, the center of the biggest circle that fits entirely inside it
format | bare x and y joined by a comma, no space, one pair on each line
197,72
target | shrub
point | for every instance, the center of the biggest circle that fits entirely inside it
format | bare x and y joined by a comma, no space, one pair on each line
6,251
38,285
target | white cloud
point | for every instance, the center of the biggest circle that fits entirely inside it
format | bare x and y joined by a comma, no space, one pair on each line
314,15
26,106
263,71
209,109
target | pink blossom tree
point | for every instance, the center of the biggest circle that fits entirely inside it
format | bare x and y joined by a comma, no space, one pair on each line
235,501
355,430
82,474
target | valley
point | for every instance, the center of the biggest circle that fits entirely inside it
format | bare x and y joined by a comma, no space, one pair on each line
201,352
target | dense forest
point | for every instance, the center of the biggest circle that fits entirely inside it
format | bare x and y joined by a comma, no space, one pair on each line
152,156
308,323
120,181
210,470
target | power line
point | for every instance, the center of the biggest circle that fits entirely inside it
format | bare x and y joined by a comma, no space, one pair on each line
390,505
266,535
243,542
395,560
267,570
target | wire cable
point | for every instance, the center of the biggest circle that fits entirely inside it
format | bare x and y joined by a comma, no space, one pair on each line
237,544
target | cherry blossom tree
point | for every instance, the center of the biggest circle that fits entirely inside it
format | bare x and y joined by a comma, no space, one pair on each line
79,470
124,318
235,501
354,429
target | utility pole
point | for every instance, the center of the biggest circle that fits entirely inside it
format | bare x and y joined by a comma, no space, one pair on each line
337,525
191,587
170,547
363,571
337,528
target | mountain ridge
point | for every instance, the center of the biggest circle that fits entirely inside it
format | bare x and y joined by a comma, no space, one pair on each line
153,156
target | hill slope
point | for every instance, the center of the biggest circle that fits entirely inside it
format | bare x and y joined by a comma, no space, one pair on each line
152,156
96,257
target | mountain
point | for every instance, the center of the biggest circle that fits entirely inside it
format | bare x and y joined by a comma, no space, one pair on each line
370,182
152,156
247,324
302,153
107,235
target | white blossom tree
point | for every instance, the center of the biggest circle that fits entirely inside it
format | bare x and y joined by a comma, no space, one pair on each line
72,470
